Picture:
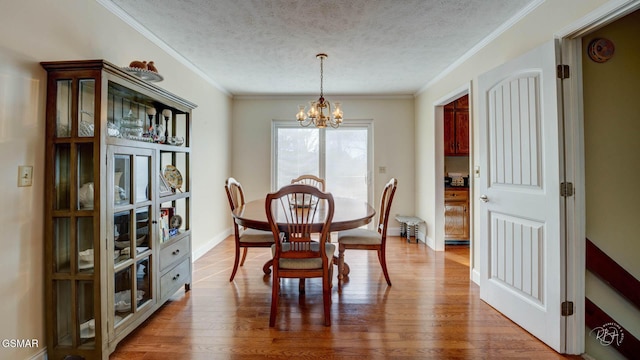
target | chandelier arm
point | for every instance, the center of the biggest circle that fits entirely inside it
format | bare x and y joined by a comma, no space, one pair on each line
306,122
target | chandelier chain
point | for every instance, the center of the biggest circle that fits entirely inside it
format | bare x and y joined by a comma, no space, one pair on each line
321,76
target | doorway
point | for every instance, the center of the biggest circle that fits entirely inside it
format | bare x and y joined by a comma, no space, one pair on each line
602,124
453,155
456,170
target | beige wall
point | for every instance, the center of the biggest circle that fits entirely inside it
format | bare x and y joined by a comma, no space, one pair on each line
33,31
612,165
539,26
393,122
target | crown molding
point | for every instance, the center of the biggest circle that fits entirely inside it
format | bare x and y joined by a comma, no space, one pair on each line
479,46
117,11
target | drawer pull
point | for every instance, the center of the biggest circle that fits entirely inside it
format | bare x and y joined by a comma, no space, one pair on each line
176,277
176,252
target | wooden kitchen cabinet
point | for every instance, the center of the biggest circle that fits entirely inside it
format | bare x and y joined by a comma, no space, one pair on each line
114,144
456,127
456,214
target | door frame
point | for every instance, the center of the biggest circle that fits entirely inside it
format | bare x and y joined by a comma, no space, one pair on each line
438,238
573,117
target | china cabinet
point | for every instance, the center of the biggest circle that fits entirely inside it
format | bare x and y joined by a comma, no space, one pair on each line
118,193
456,127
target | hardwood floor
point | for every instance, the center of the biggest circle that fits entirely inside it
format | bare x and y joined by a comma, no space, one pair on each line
432,311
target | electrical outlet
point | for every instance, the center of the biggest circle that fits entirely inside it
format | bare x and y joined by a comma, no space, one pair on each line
382,169
25,176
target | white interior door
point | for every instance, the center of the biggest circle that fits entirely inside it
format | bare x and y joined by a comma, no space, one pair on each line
522,263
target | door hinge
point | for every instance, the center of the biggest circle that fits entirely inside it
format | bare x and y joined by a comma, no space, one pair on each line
567,308
566,189
563,71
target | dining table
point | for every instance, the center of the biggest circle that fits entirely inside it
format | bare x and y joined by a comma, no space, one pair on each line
347,214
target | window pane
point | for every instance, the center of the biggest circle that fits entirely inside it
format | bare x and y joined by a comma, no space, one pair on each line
346,163
297,154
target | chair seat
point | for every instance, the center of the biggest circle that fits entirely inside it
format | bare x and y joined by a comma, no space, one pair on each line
359,236
256,236
306,264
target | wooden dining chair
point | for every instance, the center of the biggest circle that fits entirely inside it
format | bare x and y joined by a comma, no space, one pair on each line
244,237
310,180
365,239
295,212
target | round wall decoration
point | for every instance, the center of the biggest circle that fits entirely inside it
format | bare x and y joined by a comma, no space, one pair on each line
600,50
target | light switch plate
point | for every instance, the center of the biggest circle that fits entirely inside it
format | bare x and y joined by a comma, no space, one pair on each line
25,176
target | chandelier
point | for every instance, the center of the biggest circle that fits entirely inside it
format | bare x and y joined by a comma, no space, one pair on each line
316,114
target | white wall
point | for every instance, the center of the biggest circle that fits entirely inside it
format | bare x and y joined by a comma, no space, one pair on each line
539,26
393,122
33,31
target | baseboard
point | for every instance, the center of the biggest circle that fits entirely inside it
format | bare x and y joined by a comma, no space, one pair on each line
430,242
475,276
200,251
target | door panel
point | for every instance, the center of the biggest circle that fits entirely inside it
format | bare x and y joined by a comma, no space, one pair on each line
522,268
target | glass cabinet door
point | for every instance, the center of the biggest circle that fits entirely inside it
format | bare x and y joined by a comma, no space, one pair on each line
130,230
74,234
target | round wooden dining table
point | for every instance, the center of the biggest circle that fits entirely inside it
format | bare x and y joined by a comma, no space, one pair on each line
347,214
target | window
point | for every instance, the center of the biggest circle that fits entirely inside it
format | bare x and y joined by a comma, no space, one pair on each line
343,156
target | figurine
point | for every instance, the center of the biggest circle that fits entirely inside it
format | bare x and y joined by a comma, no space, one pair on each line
151,67
139,65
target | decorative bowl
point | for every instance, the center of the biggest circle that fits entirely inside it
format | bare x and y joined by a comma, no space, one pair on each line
86,255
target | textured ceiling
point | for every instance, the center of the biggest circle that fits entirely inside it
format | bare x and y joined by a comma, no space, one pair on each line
268,47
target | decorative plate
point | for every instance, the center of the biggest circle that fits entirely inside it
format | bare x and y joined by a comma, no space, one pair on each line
173,176
144,74
600,50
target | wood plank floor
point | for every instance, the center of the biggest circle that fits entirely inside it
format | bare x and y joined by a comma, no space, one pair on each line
432,311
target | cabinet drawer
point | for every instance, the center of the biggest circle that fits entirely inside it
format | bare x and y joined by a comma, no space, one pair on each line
174,252
456,195
176,277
